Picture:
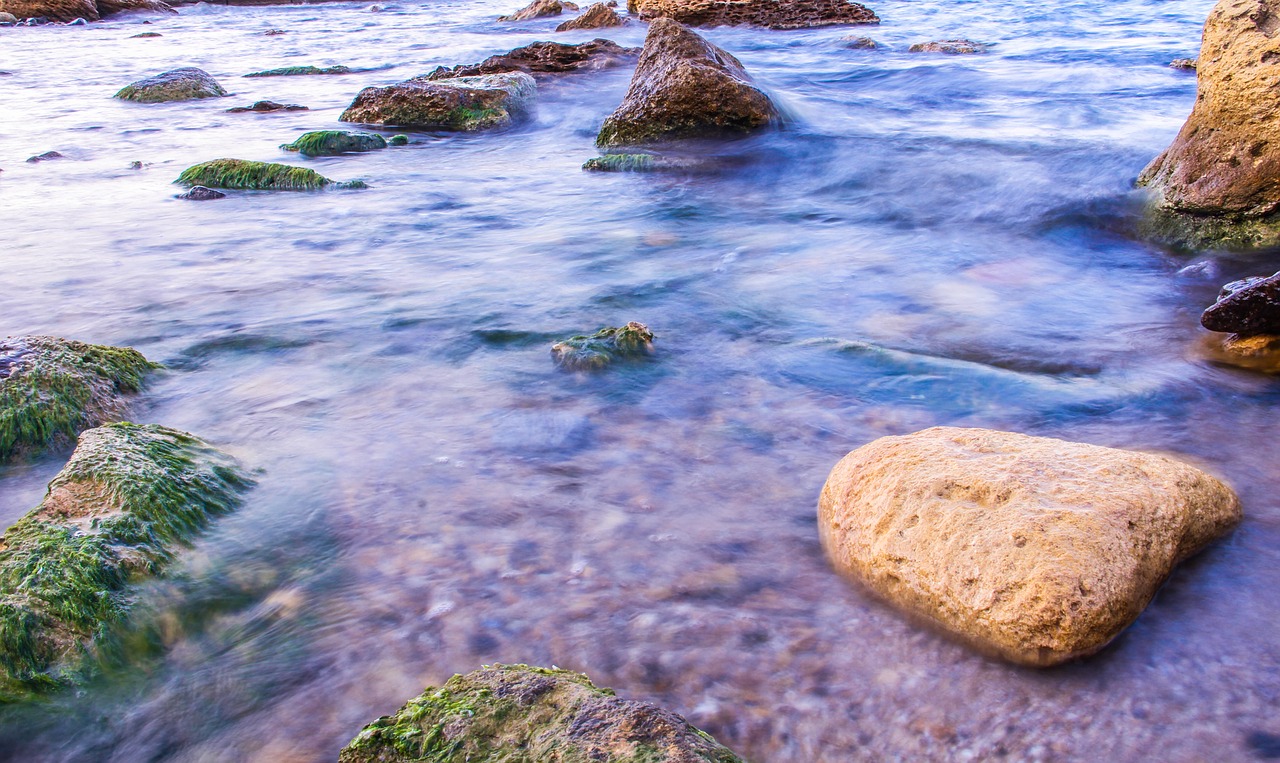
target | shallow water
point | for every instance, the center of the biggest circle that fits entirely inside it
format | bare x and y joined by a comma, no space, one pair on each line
932,240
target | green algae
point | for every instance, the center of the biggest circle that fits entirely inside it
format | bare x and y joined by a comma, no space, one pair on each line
297,71
1190,231
51,389
116,512
621,163
592,353
334,142
398,140
257,176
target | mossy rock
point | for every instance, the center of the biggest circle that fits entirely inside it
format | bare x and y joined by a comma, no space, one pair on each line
459,103
522,713
52,389
302,71
334,142
592,353
398,140
185,84
257,176
129,496
1207,231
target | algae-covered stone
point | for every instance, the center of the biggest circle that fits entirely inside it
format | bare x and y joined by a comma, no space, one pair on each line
588,353
185,84
303,71
52,389
523,713
622,163
124,503
266,107
334,142
398,140
256,176
459,103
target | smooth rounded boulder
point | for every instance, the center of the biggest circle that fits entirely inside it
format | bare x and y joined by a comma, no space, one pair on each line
185,84
459,103
1033,549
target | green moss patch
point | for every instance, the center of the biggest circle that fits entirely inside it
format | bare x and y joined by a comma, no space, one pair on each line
256,176
334,142
183,84
621,163
590,353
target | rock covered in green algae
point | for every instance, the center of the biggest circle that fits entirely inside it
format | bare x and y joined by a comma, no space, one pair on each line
129,496
52,389
398,140
523,713
257,176
185,84
587,353
458,103
300,71
334,142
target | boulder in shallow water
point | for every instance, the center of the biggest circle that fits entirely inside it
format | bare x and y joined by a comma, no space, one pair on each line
335,142
950,47
546,57
45,157
51,10
200,193
1034,549
257,176
126,501
305,71
518,712
458,103
596,16
1246,307
185,84
685,87
109,7
266,107
591,353
774,14
538,9
8,18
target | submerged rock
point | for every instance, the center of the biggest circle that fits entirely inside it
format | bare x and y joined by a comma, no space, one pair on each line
257,176
596,16
302,71
623,163
1034,549
52,389
1254,352
266,107
126,501
518,712
950,47
46,156
398,140
859,43
144,35
591,353
200,193
1215,185
109,7
546,57
774,14
334,142
185,84
685,87
1246,307
538,9
51,10
457,103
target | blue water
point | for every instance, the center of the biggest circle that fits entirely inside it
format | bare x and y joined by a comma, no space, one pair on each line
931,240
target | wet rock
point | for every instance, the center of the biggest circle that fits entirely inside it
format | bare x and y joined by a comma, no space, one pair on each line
548,714
622,163
200,193
78,22
135,165
266,107
8,18
1255,352
860,43
774,14
1034,549
109,7
335,142
304,71
46,156
538,9
144,35
257,176
51,10
546,57
1215,185
52,389
685,87
457,103
185,84
596,16
591,353
398,140
126,501
274,32
1246,307
950,47
1186,64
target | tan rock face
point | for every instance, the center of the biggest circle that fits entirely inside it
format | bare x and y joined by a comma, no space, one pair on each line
774,14
56,10
1034,549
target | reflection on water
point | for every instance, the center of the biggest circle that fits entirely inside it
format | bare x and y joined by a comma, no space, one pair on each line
933,240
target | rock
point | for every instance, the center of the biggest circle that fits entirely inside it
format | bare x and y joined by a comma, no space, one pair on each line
596,16
185,84
8,18
265,107
458,103
1034,549
546,714
860,43
109,7
257,176
144,35
303,71
591,353
950,47
135,165
52,389
1255,352
51,10
335,142
546,57
774,14
538,9
623,163
398,140
274,32
685,87
78,22
1186,64
46,156
1215,185
1246,307
200,193
126,501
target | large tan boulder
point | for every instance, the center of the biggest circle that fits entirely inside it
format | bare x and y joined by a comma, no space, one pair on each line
1034,549
1219,183
54,10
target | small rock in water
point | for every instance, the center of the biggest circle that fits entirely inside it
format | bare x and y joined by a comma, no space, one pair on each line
200,193
256,176
302,71
135,165
266,107
1187,64
398,140
1248,306
540,8
78,22
335,142
771,14
8,18
144,35
950,47
597,16
185,84
860,43
46,156
545,57
460,103
274,32
6,74
591,353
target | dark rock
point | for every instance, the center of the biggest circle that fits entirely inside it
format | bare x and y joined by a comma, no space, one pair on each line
78,22
1186,64
46,156
591,353
685,87
459,103
108,7
303,71
44,11
274,32
540,8
144,35
135,165
335,142
200,193
1249,306
185,84
265,107
774,14
950,47
596,16
546,57
860,43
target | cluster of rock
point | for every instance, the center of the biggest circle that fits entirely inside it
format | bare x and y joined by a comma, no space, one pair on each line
1248,311
772,14
601,349
68,11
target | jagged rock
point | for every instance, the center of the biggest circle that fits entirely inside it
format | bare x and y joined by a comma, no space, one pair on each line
1216,184
257,176
1246,307
46,156
200,193
274,32
596,16
304,71
334,142
546,57
265,107
950,47
591,353
540,8
52,10
52,389
457,103
774,14
1034,549
859,43
1186,64
185,84
685,87
523,713
126,501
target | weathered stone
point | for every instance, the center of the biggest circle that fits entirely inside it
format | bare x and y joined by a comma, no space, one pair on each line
46,156
591,353
398,140
860,43
538,9
109,7
546,57
458,103
335,142
950,47
52,10
266,107
518,712
1249,306
8,18
126,501
685,87
305,71
1186,64
200,193
257,176
145,35
1034,549
774,14
1217,183
596,16
185,84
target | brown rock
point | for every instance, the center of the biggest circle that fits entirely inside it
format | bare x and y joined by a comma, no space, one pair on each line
774,14
685,87
108,7
1034,549
1249,306
596,16
538,9
56,10
459,103
1257,352
266,107
546,57
950,47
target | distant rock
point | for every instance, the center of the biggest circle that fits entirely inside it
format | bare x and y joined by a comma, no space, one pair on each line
950,47
773,14
304,71
540,8
274,32
78,22
257,176
624,163
335,142
185,84
46,156
51,10
200,193
8,18
458,103
109,7
398,140
546,58
266,107
685,87
860,43
144,35
1246,307
596,16
592,353
1186,64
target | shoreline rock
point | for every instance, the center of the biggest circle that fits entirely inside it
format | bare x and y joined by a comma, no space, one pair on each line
51,10
603,348
545,58
185,84
771,14
456,103
596,16
238,174
540,8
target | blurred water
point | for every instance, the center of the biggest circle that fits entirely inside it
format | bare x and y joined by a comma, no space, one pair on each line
932,240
